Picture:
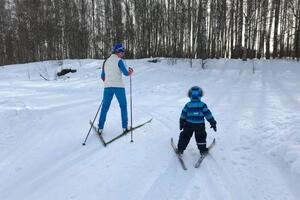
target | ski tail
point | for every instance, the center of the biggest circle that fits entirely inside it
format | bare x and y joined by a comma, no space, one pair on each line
198,163
179,158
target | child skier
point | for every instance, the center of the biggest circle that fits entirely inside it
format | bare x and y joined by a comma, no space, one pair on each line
192,120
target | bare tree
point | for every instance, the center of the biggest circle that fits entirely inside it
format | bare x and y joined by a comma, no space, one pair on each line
32,30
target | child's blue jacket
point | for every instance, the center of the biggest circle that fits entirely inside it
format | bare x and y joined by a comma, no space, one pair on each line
195,111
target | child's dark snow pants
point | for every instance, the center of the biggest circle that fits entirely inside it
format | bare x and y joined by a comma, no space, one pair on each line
187,133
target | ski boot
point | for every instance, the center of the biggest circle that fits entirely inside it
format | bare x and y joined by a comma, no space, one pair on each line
100,131
126,130
203,151
179,152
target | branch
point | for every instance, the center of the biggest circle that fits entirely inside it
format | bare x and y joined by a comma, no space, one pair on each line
43,77
291,4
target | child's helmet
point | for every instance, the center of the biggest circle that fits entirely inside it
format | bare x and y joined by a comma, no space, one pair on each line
195,92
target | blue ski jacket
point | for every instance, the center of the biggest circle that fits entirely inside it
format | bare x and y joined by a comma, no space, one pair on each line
195,111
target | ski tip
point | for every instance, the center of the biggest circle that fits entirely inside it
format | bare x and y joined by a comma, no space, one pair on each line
148,121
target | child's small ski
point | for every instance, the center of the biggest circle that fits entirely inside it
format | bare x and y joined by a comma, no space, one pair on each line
198,163
178,156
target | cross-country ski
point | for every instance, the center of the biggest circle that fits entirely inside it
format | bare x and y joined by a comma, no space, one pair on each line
178,155
98,133
202,156
120,135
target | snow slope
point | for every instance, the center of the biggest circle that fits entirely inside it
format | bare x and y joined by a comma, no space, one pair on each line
43,124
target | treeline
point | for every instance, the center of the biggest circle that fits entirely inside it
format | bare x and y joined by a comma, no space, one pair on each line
33,30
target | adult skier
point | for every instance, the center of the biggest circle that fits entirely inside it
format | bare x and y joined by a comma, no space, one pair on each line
112,71
192,120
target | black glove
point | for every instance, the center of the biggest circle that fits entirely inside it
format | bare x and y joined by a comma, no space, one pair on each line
181,124
213,125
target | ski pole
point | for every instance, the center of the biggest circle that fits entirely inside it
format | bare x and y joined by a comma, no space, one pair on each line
92,124
131,108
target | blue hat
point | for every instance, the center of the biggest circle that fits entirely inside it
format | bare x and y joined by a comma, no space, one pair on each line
195,92
118,48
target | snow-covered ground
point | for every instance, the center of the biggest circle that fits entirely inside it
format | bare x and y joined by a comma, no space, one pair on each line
43,124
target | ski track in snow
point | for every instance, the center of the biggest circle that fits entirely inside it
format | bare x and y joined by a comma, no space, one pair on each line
44,123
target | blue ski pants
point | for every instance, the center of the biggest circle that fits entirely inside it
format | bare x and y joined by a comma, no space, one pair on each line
108,94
